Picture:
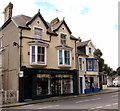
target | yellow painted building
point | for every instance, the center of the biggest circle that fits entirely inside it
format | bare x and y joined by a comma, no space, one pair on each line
88,67
38,57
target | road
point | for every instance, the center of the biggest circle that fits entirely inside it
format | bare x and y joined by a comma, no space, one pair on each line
101,101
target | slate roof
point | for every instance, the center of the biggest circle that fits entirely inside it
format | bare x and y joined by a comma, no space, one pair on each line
23,21
82,44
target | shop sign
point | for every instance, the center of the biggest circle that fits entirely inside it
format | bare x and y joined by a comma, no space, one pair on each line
21,74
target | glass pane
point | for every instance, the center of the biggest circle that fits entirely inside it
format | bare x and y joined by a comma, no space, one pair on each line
60,57
33,53
67,57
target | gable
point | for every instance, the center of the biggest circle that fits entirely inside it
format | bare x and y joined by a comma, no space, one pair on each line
41,18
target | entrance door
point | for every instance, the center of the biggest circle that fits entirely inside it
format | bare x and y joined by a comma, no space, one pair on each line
81,85
28,87
91,84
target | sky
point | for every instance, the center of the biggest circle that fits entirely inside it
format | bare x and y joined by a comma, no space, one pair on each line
88,19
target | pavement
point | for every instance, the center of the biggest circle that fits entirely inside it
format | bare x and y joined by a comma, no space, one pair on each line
51,99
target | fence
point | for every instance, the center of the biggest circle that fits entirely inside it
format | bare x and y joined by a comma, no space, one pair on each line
9,96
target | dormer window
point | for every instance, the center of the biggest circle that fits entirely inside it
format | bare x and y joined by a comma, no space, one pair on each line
90,51
38,33
63,39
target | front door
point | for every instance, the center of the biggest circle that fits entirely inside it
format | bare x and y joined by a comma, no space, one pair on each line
91,84
28,87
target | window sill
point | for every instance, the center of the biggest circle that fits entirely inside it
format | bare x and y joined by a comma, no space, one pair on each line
36,64
64,66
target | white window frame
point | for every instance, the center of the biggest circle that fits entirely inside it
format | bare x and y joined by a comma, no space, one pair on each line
65,39
82,59
64,58
38,28
36,56
96,65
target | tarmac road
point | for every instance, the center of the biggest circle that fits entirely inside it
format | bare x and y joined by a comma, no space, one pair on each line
94,102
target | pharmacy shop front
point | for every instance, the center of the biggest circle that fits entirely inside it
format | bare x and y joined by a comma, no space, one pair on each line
43,83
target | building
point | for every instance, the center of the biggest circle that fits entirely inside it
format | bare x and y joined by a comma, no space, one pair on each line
39,58
88,67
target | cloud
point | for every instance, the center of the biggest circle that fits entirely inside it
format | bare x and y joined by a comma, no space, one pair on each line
85,10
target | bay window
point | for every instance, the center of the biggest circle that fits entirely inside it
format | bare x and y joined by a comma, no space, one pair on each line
38,55
64,57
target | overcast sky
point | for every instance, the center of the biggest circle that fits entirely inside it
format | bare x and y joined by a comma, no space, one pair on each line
89,19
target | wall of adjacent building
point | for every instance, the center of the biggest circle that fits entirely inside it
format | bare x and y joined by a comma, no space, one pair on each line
10,57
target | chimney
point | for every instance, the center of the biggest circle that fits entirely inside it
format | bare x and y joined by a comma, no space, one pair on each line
79,40
8,11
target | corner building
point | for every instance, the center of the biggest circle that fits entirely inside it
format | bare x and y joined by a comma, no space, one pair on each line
39,56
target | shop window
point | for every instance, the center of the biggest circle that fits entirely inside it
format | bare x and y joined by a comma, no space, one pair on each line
64,57
42,84
38,55
63,39
38,33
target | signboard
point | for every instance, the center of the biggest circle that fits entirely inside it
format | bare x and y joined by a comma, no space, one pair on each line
21,74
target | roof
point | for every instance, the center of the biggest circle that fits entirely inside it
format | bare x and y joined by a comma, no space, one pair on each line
79,52
21,20
82,44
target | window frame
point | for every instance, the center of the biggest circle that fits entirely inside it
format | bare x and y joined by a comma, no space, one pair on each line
92,64
63,58
38,37
82,64
61,39
36,56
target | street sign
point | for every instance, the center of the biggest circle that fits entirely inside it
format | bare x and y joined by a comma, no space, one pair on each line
21,74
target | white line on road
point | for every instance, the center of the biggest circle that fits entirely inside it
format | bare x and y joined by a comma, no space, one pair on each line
87,100
115,103
99,107
114,95
48,107
107,105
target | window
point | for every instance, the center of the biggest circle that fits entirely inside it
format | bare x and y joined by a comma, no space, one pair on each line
38,33
63,39
89,64
67,57
90,50
80,64
95,65
64,57
92,64
38,55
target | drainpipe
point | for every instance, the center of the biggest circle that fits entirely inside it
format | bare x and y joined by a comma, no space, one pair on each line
21,79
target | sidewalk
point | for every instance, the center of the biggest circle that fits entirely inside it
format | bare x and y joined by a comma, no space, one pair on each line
104,91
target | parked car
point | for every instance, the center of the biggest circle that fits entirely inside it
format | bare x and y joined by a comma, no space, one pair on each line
116,82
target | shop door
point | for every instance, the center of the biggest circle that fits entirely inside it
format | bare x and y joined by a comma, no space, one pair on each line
56,86
81,85
91,84
28,87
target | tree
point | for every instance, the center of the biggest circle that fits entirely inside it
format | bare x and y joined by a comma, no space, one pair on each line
118,71
98,53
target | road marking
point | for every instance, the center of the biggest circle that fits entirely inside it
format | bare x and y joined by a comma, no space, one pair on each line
48,107
115,103
107,105
99,107
114,95
87,100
